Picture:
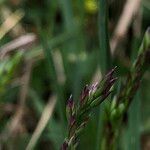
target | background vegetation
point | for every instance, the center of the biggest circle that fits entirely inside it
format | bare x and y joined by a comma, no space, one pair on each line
50,49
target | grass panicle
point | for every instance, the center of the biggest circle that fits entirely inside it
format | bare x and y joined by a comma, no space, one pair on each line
79,114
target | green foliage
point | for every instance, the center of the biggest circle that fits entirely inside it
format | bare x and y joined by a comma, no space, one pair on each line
7,70
72,50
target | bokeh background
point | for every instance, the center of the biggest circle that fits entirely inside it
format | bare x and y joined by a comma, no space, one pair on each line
50,49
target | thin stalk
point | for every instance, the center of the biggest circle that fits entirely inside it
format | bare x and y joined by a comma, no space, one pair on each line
61,103
104,55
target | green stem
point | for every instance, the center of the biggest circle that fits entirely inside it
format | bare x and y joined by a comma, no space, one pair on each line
104,55
104,52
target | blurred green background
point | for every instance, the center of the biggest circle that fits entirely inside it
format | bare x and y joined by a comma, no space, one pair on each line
50,49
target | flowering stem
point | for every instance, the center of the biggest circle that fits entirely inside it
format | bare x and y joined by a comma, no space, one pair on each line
79,113
121,103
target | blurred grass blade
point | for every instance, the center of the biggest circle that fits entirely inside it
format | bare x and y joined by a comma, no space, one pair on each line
104,56
104,51
56,86
66,7
10,22
134,124
53,127
45,117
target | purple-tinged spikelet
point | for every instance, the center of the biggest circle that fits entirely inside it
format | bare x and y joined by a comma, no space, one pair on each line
84,94
93,88
64,146
70,102
72,120
109,75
